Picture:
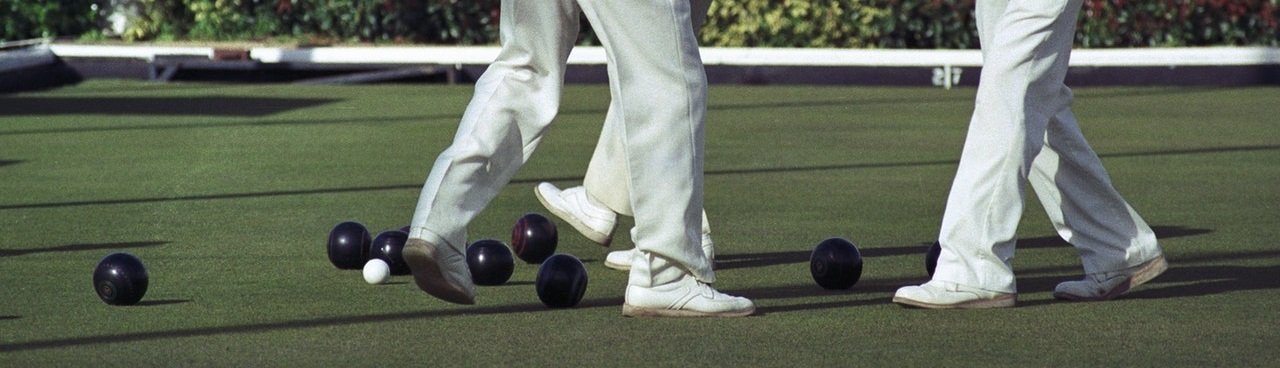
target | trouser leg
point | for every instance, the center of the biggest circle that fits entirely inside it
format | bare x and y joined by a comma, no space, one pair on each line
661,100
514,102
1025,52
1083,205
606,176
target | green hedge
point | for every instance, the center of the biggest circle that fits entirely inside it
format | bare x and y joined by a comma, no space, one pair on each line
322,21
792,23
772,23
26,19
1124,23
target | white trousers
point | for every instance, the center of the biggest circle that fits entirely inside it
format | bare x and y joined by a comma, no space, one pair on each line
660,96
1022,131
606,177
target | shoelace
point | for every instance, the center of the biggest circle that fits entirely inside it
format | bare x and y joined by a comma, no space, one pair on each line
706,290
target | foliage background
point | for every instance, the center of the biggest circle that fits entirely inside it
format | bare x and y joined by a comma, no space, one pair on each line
769,23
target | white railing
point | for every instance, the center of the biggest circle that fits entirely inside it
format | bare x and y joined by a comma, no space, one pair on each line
948,64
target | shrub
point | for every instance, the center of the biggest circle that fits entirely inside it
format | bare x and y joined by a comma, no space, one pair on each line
747,23
34,19
1124,23
929,24
792,23
418,21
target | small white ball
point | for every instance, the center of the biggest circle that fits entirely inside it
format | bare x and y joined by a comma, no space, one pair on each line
376,271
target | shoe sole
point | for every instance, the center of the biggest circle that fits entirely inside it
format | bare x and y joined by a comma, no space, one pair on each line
616,266
427,274
1149,271
634,311
582,228
1003,301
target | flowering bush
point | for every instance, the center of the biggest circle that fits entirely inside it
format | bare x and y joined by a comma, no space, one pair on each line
1124,23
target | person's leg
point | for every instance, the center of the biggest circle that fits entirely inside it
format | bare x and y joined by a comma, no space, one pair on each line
592,208
1117,247
621,260
1025,53
605,180
661,94
514,102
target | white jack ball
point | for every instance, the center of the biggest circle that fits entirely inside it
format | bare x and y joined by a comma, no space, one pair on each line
376,271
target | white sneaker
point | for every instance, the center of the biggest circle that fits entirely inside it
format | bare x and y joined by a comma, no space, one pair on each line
621,259
573,206
440,271
685,298
948,295
1108,285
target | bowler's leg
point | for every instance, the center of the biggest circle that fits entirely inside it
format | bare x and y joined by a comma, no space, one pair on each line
514,102
662,95
1117,247
1017,94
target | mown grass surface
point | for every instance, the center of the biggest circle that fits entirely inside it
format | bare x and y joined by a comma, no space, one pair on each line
227,192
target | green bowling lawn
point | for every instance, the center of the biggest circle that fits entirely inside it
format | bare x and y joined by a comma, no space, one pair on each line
227,193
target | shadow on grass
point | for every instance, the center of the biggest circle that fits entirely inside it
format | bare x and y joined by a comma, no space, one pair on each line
514,283
1213,279
183,106
1162,232
823,305
256,106
6,318
1177,282
1170,152
242,195
296,324
416,186
1204,280
81,247
179,109
752,260
255,123
766,259
1186,277
210,197
1209,280
189,106
4,163
811,290
159,302
530,180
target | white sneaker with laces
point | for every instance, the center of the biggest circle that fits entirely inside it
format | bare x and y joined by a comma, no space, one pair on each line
948,295
621,259
1109,285
685,298
440,271
572,205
